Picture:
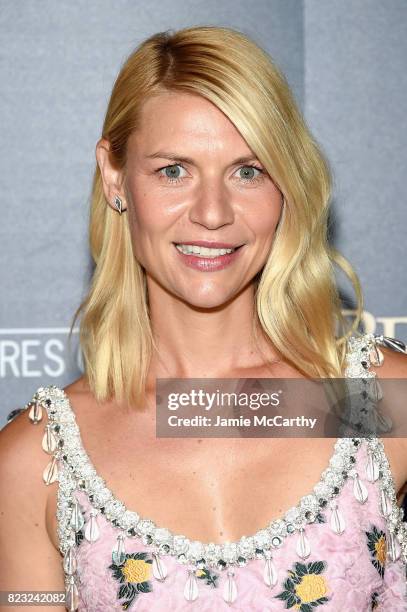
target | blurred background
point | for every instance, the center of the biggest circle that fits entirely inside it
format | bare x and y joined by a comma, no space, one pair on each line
346,65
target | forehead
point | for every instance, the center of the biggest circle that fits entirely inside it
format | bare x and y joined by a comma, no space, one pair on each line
187,120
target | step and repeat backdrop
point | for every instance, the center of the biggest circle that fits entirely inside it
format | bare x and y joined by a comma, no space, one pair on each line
346,65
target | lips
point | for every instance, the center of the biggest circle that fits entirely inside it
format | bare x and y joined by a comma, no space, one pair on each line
210,245
208,264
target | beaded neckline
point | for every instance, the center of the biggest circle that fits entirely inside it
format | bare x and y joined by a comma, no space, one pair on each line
81,473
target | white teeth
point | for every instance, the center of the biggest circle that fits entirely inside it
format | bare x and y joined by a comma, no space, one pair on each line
192,249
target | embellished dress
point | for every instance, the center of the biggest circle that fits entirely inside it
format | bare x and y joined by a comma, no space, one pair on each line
343,547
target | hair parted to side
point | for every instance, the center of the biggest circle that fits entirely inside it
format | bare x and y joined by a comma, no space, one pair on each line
297,302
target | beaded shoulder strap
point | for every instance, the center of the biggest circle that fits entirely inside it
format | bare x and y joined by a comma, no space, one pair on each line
364,352
71,466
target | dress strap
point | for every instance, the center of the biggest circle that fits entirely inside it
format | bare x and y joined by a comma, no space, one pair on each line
61,419
364,351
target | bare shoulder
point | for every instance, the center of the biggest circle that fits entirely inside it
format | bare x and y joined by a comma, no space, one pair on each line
21,452
24,496
22,462
394,364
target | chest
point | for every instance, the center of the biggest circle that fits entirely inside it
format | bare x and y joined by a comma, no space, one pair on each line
207,489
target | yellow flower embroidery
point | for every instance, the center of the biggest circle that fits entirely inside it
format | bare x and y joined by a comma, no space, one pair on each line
311,587
132,573
377,545
305,588
381,550
136,570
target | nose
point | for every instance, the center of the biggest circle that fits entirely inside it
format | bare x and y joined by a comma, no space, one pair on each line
212,204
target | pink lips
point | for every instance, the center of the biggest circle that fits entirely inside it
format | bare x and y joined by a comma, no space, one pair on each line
206,264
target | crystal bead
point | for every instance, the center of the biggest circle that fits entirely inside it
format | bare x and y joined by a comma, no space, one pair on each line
270,573
70,561
191,591
49,441
159,569
372,468
35,413
230,588
303,547
92,531
50,474
71,596
337,522
119,552
385,504
276,541
393,548
376,356
359,490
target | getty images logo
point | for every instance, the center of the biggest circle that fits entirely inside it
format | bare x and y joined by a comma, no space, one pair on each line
38,352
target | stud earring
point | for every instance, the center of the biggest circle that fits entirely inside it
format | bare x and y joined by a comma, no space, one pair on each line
118,204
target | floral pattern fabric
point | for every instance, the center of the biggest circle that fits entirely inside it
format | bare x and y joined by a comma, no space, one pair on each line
349,572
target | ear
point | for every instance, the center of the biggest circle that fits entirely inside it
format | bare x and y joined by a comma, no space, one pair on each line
112,178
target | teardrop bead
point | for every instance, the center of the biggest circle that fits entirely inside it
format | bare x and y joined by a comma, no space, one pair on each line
230,588
71,596
303,547
191,591
77,520
359,490
385,504
92,531
159,568
337,521
35,413
395,344
372,468
49,441
270,573
393,547
379,390
119,552
50,474
376,356
70,561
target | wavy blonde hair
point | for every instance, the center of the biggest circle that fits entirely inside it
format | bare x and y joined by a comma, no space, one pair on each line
297,302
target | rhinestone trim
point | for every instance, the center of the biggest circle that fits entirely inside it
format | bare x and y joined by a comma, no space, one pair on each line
394,520
75,466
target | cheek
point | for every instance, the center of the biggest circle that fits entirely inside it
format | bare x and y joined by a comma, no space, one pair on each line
263,222
146,216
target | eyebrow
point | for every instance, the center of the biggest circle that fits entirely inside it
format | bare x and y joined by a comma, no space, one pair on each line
189,160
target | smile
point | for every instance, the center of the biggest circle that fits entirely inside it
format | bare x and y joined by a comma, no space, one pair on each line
207,259
192,249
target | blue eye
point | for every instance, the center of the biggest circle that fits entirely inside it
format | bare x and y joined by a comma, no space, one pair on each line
249,173
171,173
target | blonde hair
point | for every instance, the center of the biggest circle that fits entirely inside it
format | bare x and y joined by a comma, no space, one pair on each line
297,302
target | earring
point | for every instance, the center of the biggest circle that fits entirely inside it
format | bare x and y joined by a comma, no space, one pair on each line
118,204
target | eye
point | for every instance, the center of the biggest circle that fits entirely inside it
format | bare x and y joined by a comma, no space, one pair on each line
248,173
171,173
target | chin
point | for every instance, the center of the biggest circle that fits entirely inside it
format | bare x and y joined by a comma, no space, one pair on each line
207,302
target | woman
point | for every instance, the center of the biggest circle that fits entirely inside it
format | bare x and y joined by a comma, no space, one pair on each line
203,147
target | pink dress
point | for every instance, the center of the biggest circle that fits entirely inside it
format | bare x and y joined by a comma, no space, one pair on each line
342,548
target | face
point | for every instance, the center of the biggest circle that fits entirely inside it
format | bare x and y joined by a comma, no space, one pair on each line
191,179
